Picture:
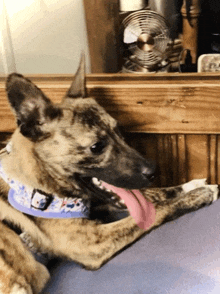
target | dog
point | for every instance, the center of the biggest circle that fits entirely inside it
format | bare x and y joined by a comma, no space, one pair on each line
74,187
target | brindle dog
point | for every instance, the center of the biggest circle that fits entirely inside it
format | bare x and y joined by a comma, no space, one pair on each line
58,149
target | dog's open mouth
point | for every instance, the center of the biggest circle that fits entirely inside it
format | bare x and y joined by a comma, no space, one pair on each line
118,201
139,208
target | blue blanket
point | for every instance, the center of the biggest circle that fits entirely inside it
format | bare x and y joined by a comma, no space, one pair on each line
180,257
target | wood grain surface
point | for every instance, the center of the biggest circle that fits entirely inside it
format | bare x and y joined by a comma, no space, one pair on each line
102,20
160,103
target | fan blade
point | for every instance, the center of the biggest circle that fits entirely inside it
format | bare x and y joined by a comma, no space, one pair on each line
129,37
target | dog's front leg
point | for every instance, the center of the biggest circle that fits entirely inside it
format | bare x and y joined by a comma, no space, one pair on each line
92,244
19,272
188,202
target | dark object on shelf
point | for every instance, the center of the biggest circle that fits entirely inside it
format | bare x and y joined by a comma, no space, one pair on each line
190,13
215,44
188,66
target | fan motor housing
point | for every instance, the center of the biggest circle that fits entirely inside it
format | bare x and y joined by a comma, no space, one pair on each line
145,42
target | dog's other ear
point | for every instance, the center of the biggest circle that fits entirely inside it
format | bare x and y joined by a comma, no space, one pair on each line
78,87
30,105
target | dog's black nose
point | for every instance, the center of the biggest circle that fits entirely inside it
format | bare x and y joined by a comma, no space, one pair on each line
149,173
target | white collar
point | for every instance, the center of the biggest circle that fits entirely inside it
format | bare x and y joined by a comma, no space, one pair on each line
37,203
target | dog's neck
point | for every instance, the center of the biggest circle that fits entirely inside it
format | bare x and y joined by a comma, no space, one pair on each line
23,164
38,203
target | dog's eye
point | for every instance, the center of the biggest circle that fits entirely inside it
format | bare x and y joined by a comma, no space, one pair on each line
98,147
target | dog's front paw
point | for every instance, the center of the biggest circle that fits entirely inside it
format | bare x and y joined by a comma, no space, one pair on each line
215,191
194,184
201,183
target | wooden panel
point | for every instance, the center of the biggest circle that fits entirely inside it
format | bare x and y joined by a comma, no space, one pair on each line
180,158
102,18
167,151
171,103
171,159
197,164
212,158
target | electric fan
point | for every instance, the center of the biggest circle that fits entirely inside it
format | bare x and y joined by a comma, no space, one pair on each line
145,41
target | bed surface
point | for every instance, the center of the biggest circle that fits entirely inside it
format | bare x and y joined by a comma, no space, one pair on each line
182,256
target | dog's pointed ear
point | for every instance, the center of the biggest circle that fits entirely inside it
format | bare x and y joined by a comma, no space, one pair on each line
78,86
31,106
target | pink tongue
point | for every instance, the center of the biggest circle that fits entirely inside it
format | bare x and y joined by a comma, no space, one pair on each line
142,211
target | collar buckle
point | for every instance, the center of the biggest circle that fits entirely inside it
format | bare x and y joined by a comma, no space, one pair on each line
40,200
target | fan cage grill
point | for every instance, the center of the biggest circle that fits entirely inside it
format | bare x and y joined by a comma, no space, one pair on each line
146,22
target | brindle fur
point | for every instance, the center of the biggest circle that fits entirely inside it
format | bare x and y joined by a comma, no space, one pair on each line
51,152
